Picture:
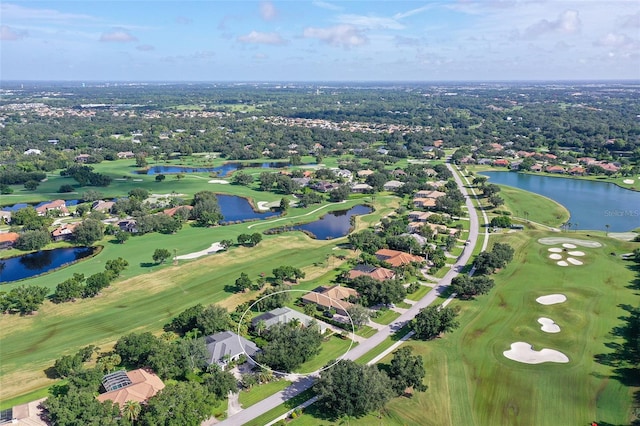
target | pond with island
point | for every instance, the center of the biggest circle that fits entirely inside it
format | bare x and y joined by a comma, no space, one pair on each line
591,204
39,262
332,225
235,208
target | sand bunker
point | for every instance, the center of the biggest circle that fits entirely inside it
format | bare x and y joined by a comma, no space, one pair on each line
569,246
215,247
222,181
628,181
562,263
523,352
573,261
548,325
548,241
551,299
576,253
555,256
555,250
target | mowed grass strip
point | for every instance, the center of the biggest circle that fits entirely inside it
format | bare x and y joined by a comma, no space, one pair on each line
259,392
334,347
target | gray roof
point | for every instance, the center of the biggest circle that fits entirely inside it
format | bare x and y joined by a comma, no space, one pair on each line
228,343
283,316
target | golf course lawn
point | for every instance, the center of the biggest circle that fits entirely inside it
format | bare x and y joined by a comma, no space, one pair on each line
471,382
144,303
538,208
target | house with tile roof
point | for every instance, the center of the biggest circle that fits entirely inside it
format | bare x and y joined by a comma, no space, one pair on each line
334,297
59,206
8,239
377,273
397,258
136,385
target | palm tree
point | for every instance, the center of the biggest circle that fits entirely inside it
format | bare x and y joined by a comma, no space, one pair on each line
260,327
131,410
295,323
607,226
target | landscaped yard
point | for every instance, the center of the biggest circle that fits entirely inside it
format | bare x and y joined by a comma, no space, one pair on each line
332,349
259,392
386,317
420,293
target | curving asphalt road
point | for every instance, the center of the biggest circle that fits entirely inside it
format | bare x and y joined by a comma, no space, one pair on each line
304,383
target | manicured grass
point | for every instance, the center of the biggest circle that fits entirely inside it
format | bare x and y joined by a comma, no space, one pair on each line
386,344
420,293
386,317
259,392
366,331
403,305
471,382
282,409
23,399
333,348
538,208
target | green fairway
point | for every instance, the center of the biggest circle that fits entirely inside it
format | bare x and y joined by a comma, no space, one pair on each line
472,383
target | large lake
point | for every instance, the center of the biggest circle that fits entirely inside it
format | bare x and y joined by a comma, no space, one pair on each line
32,264
335,224
592,204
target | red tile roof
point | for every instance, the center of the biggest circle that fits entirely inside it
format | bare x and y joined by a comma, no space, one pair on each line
145,384
397,258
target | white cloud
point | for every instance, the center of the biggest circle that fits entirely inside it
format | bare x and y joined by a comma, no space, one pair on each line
145,48
618,41
117,36
13,12
370,22
412,12
568,22
326,5
9,34
262,38
268,11
338,35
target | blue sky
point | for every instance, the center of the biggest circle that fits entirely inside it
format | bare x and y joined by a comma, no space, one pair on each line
298,40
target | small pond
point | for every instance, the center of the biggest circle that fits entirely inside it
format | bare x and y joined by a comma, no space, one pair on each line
32,264
235,208
223,170
333,225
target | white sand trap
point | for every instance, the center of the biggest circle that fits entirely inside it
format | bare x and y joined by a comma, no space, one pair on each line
555,250
548,325
569,246
222,181
215,247
628,181
555,256
577,253
549,241
573,261
523,352
562,263
551,299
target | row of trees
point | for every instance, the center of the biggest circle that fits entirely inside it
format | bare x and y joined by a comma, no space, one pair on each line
77,287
